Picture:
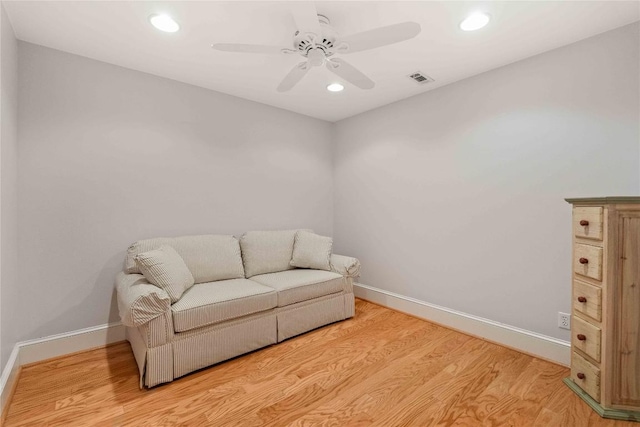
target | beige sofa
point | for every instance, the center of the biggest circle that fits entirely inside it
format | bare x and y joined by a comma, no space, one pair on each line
246,296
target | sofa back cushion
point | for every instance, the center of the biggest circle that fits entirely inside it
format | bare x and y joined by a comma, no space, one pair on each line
209,257
267,251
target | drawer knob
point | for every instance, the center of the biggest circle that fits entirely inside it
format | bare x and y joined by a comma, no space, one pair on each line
581,337
584,261
582,299
584,223
581,375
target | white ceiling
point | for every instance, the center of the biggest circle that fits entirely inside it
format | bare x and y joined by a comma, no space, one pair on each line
120,33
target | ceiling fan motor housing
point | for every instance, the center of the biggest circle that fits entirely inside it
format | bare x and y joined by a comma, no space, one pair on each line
325,41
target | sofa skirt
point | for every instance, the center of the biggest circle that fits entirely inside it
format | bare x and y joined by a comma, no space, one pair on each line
196,349
302,317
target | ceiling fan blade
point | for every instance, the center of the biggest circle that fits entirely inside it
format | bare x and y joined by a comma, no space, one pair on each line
351,74
247,48
378,37
305,16
295,75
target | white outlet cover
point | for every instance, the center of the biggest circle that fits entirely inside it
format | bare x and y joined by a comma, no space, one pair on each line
564,320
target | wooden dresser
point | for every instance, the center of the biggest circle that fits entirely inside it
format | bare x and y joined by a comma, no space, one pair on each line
605,321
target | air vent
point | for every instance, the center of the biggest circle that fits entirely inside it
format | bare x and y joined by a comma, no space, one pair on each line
418,77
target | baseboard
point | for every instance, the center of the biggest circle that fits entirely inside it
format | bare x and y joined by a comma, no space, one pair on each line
8,381
69,342
542,346
31,351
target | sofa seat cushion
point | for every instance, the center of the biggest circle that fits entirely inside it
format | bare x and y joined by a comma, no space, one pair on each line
214,302
301,285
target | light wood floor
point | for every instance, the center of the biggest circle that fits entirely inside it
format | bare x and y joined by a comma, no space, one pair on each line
382,368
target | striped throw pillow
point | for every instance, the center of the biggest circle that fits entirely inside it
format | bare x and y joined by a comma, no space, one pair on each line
311,251
166,269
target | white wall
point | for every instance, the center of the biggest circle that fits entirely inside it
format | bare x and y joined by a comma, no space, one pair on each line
9,289
110,155
455,196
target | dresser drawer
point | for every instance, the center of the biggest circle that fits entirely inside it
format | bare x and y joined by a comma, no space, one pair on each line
586,337
587,222
588,261
586,375
587,299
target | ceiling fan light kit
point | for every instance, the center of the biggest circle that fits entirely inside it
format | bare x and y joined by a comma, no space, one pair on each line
164,23
475,21
318,43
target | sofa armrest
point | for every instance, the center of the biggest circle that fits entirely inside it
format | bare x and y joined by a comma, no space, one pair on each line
345,265
139,302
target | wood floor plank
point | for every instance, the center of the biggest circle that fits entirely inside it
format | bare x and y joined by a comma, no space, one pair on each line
381,368
509,364
439,388
400,369
336,376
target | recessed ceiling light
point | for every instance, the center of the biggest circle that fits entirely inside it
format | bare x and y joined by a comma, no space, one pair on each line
335,87
164,23
475,21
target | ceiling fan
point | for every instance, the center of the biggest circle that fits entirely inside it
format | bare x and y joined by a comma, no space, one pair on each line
318,43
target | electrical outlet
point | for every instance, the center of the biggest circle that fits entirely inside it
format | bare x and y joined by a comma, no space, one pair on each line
564,320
